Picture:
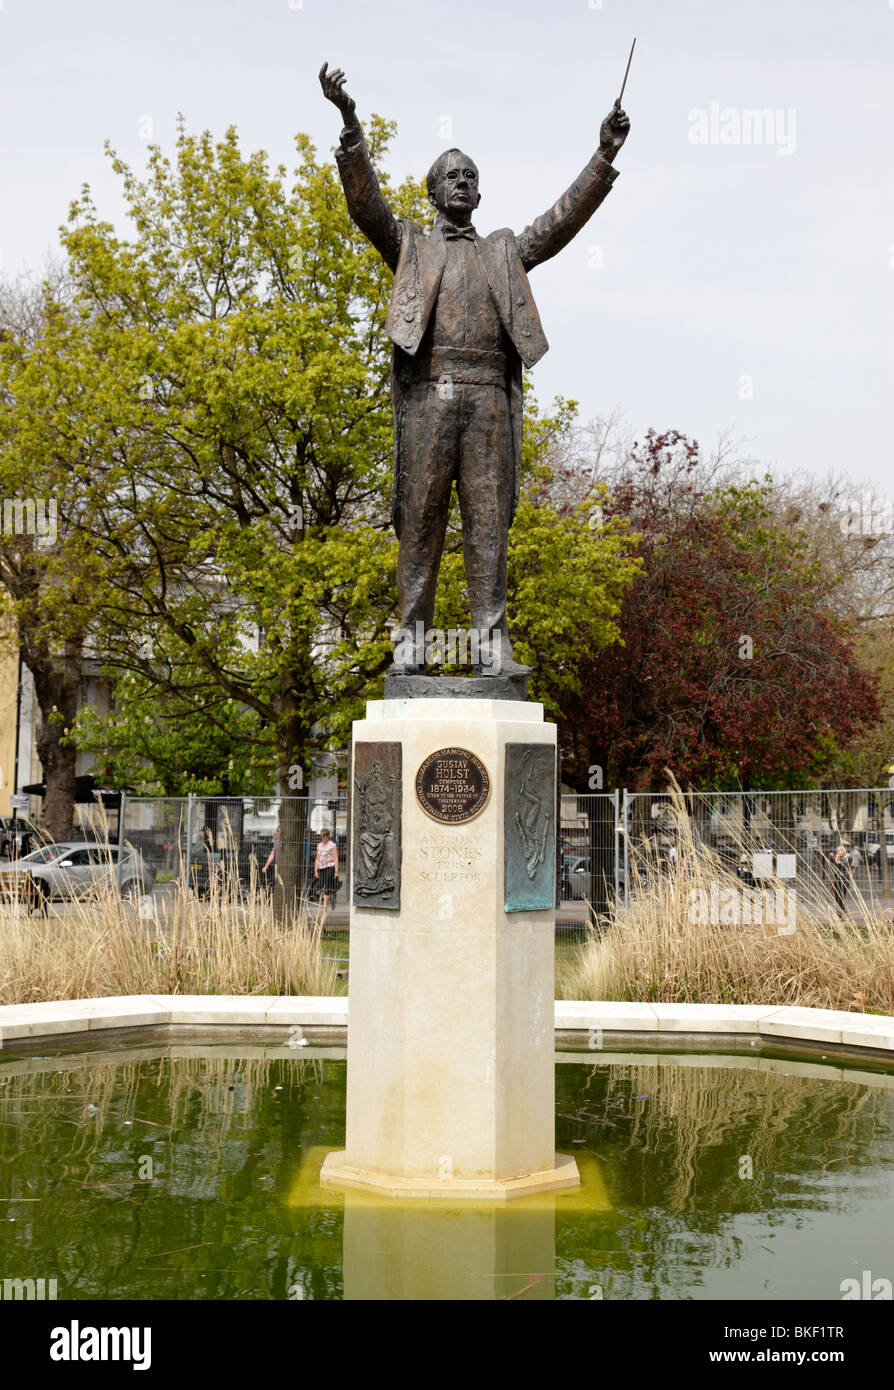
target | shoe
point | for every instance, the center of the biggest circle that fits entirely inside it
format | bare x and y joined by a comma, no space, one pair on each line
505,668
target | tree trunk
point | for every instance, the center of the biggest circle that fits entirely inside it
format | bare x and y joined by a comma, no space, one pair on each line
56,688
293,875
291,866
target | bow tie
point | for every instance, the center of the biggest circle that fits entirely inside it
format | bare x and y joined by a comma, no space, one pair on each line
452,233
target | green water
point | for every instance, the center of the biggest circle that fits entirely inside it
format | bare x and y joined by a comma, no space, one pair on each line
187,1172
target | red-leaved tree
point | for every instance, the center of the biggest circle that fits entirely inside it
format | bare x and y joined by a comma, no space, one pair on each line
732,670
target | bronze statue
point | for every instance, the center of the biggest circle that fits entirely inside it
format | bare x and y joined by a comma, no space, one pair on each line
463,324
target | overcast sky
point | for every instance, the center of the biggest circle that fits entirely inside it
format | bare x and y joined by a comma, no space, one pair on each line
725,283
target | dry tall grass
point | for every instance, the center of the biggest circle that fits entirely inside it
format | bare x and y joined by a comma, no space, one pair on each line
178,944
657,949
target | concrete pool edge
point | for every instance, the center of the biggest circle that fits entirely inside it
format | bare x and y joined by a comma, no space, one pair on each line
326,1018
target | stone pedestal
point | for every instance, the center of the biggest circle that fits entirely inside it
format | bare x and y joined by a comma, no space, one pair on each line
450,1015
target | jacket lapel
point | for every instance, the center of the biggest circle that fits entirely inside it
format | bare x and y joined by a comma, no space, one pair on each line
416,283
496,271
512,295
432,259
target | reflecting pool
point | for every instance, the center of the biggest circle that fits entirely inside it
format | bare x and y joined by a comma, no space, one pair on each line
189,1171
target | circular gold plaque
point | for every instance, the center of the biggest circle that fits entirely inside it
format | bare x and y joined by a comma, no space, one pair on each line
452,786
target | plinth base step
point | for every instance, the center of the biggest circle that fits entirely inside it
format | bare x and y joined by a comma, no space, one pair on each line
336,1173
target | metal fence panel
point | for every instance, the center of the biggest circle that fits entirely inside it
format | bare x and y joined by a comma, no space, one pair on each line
591,869
243,843
787,834
607,840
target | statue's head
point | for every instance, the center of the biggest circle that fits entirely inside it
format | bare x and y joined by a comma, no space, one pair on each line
452,183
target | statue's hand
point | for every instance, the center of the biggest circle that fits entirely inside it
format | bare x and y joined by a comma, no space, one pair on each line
333,84
613,132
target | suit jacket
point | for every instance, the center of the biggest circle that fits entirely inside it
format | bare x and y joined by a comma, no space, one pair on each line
418,258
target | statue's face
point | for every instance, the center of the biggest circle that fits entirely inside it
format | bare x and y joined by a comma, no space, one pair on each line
456,195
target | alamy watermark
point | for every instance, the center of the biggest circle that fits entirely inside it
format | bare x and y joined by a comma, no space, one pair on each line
30,516
873,1290
79,1343
41,1290
868,516
745,125
733,907
453,646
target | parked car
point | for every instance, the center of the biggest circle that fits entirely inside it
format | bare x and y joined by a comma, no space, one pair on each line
15,835
577,881
575,877
873,850
77,868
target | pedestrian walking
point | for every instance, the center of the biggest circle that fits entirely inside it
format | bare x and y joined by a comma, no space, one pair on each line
326,868
270,864
840,877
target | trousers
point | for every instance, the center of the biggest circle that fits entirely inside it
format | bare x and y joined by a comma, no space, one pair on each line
463,433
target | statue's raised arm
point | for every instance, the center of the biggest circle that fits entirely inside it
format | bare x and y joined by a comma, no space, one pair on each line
364,197
548,233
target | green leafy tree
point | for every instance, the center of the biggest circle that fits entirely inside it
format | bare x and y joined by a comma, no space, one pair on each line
236,521
47,603
168,748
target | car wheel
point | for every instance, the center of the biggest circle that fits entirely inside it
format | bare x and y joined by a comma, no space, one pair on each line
132,891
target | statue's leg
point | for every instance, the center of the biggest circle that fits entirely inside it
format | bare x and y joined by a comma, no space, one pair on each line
429,444
485,484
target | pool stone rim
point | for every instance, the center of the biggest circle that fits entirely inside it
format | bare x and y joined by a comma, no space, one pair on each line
322,1018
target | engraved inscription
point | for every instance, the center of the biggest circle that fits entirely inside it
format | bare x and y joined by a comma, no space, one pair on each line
452,786
454,860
